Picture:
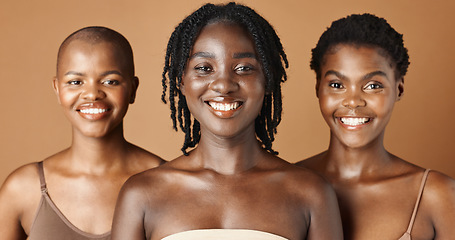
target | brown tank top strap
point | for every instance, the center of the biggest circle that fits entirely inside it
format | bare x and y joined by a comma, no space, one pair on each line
416,207
41,177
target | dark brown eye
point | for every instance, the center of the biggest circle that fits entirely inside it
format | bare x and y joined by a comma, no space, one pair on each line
203,69
335,85
372,86
111,82
74,82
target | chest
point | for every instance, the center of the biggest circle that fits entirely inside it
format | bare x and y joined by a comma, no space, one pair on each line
247,206
382,211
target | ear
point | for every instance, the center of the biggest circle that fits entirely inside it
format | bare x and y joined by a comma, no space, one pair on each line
316,87
134,86
55,86
182,87
400,88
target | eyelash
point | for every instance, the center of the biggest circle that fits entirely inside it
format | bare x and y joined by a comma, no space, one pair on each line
243,69
111,82
74,82
375,86
203,69
108,82
332,85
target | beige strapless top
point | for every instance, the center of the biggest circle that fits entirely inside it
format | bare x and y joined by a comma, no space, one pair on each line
223,234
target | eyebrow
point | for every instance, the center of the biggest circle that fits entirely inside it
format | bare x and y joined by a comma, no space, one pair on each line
244,55
367,76
111,72
102,74
375,73
333,72
236,55
74,73
202,55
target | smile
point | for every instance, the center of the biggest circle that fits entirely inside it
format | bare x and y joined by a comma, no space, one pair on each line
93,110
224,106
351,121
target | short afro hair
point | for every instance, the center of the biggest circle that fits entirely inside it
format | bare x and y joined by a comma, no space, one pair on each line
362,29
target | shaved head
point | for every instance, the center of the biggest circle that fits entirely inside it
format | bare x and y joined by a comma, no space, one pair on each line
94,35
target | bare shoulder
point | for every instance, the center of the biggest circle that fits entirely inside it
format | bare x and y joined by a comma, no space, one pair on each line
307,183
439,187
438,202
312,162
318,199
22,181
150,183
143,159
20,195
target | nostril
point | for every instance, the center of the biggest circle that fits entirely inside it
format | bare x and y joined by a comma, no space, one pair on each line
224,85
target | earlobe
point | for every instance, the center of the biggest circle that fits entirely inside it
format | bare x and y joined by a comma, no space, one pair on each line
316,87
182,88
135,85
56,88
400,88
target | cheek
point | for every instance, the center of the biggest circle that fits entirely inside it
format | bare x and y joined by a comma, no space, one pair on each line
382,105
327,104
122,96
67,98
120,99
256,92
192,87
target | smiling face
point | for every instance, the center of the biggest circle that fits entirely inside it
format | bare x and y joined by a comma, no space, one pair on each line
357,92
223,82
94,86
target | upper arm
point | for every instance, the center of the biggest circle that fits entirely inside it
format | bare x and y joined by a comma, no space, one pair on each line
440,194
325,220
18,187
129,213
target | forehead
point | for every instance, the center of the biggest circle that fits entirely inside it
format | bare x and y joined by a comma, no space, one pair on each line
356,57
103,53
227,35
96,48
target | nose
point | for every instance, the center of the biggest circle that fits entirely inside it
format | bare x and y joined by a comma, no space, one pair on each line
224,82
92,92
354,99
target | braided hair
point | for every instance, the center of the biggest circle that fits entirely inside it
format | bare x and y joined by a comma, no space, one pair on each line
365,29
270,54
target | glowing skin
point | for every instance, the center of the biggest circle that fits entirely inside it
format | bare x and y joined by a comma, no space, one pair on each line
94,87
238,184
376,190
357,92
95,83
225,77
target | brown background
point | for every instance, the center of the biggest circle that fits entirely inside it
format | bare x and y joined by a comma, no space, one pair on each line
33,127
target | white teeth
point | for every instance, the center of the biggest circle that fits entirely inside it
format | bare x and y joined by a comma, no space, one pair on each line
224,106
354,121
93,110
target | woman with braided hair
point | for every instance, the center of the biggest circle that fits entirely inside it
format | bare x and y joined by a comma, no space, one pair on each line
223,69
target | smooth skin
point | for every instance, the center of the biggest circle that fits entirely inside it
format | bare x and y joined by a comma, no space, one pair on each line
83,180
228,181
376,190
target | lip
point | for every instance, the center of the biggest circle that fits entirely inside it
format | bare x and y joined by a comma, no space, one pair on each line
224,107
93,110
354,122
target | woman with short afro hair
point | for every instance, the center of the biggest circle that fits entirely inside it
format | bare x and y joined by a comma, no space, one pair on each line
360,62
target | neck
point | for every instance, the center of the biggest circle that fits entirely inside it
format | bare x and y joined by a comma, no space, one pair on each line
228,155
353,163
97,154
